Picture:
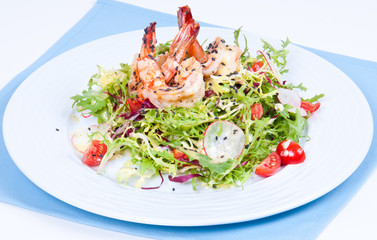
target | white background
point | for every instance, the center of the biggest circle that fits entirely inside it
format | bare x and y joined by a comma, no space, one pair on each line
29,28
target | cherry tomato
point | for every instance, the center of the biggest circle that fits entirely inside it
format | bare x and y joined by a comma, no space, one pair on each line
269,165
135,104
180,155
256,66
94,153
310,107
290,152
256,111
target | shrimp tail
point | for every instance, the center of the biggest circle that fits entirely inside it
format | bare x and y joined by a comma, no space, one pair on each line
135,84
179,48
184,39
184,15
149,42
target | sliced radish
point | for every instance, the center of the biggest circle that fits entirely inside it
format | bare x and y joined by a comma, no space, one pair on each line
290,97
223,140
80,141
80,138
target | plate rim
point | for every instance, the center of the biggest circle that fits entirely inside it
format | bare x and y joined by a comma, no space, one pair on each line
6,121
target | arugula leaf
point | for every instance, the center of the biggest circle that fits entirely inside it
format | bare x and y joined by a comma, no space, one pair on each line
217,170
278,56
315,98
245,54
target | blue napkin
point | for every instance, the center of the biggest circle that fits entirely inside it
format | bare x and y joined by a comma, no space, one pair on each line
109,17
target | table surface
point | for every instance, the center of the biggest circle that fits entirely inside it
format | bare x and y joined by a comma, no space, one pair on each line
29,28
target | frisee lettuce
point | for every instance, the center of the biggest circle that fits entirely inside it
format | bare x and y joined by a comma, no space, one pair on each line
151,138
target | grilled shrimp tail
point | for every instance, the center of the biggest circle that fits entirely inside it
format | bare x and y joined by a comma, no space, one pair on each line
149,41
184,15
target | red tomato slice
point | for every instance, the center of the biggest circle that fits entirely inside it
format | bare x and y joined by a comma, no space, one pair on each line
290,152
269,165
179,155
94,153
135,104
256,66
256,111
310,107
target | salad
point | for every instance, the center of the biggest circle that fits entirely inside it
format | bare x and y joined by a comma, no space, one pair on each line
210,114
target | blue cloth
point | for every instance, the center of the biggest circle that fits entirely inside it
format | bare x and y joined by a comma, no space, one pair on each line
306,222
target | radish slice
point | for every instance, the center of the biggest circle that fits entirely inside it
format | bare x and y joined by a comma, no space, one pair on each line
80,141
288,96
291,97
223,140
80,138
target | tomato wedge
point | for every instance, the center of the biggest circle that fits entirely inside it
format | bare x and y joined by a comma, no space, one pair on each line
94,153
256,66
256,111
269,165
290,152
135,104
180,155
310,107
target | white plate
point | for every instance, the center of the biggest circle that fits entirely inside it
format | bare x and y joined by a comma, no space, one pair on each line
341,133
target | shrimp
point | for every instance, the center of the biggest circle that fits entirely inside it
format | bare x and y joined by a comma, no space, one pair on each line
186,89
177,82
184,15
222,59
179,47
135,85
